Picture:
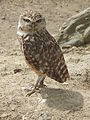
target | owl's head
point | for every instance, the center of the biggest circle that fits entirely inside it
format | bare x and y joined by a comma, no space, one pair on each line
31,22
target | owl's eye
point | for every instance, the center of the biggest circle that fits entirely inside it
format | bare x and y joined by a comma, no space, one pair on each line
26,20
39,20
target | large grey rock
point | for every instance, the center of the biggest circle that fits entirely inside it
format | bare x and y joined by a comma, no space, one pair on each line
76,30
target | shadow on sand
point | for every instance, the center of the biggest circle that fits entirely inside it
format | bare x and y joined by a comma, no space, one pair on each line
62,99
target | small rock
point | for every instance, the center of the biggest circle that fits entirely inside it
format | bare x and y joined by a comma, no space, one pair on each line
13,108
65,83
23,88
24,118
77,11
43,101
3,18
4,115
17,70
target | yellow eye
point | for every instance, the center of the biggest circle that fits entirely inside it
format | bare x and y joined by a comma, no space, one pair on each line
26,20
39,20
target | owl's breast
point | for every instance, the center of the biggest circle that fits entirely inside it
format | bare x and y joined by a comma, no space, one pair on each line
33,50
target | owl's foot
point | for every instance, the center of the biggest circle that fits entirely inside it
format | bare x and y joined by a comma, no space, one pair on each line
40,81
30,92
42,86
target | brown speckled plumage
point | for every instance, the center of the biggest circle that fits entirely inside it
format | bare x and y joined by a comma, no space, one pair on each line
44,54
41,51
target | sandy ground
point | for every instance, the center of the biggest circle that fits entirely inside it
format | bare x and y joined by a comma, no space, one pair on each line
58,101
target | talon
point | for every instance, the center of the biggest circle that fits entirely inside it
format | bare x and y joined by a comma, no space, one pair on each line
30,93
42,86
36,87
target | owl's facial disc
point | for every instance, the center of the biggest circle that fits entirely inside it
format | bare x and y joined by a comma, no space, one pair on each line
31,22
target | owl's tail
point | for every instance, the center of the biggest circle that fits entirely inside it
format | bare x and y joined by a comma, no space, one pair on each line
63,73
60,73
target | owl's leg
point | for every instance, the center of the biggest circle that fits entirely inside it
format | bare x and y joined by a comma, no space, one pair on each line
42,82
39,80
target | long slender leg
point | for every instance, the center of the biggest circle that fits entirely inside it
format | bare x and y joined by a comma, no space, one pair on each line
36,85
42,81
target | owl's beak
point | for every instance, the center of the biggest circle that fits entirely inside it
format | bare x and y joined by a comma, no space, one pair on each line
20,28
36,29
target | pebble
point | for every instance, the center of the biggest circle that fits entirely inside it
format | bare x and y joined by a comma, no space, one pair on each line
43,101
4,115
17,70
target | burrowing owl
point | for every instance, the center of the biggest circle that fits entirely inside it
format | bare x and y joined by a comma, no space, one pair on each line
41,51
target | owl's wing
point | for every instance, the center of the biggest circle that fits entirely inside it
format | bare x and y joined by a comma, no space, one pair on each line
42,52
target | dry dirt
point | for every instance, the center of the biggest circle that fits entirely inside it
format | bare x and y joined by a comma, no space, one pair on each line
58,101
